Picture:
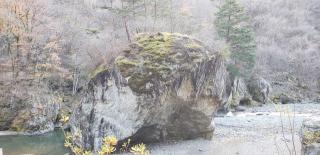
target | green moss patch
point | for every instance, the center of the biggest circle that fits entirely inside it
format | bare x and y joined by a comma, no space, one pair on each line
158,56
99,69
311,137
19,123
193,45
153,50
155,47
126,65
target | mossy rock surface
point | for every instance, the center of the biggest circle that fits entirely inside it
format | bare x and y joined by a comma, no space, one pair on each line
310,136
160,56
101,68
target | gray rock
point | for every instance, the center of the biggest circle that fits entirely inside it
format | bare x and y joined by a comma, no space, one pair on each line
259,89
285,99
240,108
165,87
31,110
240,93
311,137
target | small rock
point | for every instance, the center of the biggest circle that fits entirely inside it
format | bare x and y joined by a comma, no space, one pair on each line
229,114
285,99
240,108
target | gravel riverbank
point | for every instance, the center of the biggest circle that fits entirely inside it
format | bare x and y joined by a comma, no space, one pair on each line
264,130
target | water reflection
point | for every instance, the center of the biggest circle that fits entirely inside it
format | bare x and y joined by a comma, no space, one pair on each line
48,144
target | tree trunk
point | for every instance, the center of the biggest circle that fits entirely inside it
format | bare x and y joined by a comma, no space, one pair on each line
155,15
228,30
127,29
171,17
145,15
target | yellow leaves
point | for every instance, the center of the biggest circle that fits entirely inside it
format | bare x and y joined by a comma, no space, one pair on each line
67,143
19,16
52,45
107,150
68,140
24,10
20,20
64,119
77,150
108,146
87,153
68,136
125,146
110,140
139,149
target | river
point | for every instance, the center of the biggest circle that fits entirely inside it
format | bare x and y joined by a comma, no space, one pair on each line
48,144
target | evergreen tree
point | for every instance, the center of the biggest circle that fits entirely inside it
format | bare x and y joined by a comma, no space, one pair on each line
232,26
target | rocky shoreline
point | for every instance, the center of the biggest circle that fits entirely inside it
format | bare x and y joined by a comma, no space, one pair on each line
9,133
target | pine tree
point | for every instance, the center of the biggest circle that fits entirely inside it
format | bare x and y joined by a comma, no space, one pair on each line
232,26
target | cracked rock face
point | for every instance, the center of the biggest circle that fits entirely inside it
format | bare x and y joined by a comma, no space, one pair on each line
29,111
164,87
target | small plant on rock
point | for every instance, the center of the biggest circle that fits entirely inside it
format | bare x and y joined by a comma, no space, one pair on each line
139,149
108,146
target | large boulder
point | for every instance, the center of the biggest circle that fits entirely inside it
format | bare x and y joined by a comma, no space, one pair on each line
245,92
240,94
259,89
311,137
164,87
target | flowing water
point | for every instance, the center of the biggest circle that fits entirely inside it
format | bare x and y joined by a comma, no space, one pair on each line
48,144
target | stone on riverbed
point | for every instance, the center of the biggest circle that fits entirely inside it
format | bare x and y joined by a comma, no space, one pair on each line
311,137
253,91
239,94
259,88
164,87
